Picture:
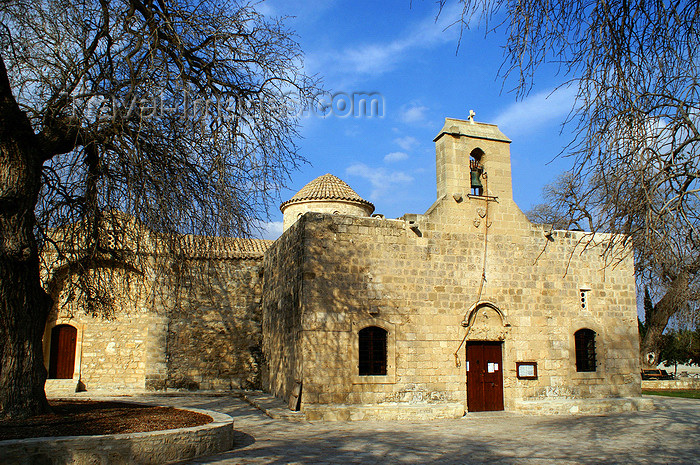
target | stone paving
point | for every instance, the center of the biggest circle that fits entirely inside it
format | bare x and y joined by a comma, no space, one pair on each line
670,434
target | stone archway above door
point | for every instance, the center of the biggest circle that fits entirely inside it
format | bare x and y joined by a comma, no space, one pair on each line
486,322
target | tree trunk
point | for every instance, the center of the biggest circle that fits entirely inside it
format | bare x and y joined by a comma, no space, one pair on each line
24,306
676,295
23,311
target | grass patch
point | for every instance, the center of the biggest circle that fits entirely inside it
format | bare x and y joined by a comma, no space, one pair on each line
686,393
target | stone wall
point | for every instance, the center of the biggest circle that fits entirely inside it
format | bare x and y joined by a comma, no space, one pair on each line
214,335
420,281
535,276
671,384
362,272
191,326
113,351
282,311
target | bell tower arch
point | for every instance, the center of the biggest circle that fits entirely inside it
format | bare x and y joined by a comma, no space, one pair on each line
472,155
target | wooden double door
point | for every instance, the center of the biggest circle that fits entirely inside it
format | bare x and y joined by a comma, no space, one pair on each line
484,376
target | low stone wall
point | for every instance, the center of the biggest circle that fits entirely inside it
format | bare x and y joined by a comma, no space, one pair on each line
664,384
583,406
384,411
154,447
403,411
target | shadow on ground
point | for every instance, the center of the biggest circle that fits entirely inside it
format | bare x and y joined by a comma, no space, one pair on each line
668,435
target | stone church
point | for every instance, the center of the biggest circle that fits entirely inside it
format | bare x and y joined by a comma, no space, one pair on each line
349,315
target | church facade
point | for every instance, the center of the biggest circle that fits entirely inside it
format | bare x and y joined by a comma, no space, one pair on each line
467,307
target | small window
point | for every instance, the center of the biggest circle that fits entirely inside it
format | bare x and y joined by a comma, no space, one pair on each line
372,351
585,350
584,299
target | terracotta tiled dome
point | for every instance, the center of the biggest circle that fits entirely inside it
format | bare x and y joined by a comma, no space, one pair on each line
327,188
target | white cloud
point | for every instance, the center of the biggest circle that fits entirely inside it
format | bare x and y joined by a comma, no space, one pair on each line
407,142
536,110
395,156
413,113
269,229
378,58
380,179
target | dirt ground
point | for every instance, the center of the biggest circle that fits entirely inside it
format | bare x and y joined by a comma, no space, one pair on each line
79,418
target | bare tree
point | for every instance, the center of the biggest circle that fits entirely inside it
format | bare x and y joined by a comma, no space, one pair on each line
635,172
179,113
665,262
562,211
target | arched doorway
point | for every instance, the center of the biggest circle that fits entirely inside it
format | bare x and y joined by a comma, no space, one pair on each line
62,355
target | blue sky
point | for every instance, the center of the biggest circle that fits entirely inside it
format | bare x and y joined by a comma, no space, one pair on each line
397,49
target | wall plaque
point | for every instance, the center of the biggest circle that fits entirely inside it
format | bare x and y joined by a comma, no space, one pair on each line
526,370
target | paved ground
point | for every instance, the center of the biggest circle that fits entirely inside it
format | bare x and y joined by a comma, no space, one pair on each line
670,434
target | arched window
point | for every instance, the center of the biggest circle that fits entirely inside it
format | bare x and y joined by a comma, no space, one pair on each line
372,351
585,349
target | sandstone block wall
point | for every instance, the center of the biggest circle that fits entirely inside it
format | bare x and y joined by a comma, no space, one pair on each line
670,384
421,284
113,351
214,334
196,326
282,311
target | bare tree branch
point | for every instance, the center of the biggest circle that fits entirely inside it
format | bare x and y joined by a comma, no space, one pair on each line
637,147
161,119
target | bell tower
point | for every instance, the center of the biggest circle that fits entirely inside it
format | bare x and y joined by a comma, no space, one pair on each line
472,159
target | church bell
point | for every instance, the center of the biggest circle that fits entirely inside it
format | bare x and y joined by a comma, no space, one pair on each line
476,179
